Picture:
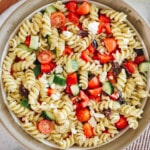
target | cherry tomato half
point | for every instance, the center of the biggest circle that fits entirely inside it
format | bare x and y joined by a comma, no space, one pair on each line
44,57
58,19
45,126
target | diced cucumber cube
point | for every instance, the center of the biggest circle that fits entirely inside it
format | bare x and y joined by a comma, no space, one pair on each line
34,42
51,9
37,70
144,66
24,47
59,79
75,89
108,87
71,66
48,115
24,103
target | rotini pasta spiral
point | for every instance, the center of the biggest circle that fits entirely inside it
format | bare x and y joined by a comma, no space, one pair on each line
70,79
30,79
19,110
133,123
31,128
131,111
121,80
129,88
36,23
24,30
46,30
60,6
14,42
83,79
109,104
114,15
94,13
9,82
7,64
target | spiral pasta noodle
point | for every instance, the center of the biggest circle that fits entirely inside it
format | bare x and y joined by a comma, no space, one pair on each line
24,30
83,79
71,79
114,15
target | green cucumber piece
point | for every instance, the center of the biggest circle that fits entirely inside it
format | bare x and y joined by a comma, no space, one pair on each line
144,66
75,89
108,87
59,79
37,70
50,79
24,103
48,115
71,66
34,42
51,9
24,47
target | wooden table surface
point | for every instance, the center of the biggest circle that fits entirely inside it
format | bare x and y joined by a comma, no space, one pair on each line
4,4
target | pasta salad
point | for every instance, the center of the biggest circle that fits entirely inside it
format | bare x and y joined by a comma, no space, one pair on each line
76,74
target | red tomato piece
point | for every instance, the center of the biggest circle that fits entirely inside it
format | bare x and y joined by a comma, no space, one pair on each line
45,126
94,82
95,92
91,48
27,41
83,114
111,44
44,57
72,79
100,28
114,96
83,104
84,100
111,77
104,19
17,59
122,123
139,59
85,55
67,50
104,58
58,19
88,130
72,6
105,131
130,66
80,26
39,76
52,65
63,28
74,99
73,18
98,99
83,96
68,90
84,8
50,91
107,28
45,68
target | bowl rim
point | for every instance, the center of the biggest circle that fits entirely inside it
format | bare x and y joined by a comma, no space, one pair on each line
9,29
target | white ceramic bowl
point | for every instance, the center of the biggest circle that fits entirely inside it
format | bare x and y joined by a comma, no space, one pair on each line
9,28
